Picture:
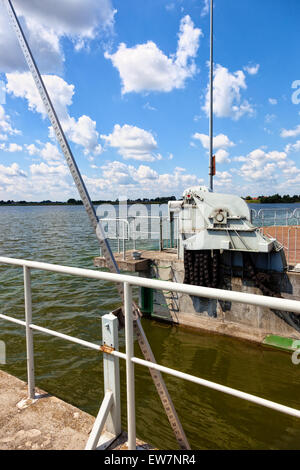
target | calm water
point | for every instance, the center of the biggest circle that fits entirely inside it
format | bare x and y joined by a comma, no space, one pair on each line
74,306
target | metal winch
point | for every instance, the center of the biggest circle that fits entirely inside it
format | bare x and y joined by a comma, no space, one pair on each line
217,228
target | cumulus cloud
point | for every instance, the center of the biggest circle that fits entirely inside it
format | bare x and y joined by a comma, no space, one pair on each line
290,132
219,141
12,147
11,171
273,101
262,165
42,169
132,143
145,67
5,125
223,180
227,100
45,24
142,181
293,147
82,131
48,152
222,156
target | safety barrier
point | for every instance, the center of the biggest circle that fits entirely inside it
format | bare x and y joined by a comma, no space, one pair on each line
109,412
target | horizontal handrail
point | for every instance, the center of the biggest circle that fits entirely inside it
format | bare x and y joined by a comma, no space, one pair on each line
197,291
128,356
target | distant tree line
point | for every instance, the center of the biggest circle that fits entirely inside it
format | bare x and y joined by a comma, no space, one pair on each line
275,199
77,202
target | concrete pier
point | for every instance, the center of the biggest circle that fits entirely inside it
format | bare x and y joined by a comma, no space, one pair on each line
46,424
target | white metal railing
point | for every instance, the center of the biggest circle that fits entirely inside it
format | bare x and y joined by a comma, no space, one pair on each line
275,217
128,356
135,232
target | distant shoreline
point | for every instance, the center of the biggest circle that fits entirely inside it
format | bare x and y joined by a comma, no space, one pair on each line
275,199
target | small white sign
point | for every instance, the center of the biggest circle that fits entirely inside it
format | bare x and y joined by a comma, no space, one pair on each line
2,353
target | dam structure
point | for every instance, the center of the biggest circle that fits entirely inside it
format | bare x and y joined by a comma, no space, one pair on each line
155,248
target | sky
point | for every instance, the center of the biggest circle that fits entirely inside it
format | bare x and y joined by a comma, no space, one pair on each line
129,82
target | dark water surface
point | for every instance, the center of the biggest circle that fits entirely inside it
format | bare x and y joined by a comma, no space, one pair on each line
74,306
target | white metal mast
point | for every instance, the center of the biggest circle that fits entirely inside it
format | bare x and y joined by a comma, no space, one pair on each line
211,104
104,244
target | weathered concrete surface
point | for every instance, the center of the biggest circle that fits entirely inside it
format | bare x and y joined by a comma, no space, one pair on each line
47,424
127,264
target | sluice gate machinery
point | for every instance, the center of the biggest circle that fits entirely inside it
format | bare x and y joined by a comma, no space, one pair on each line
217,237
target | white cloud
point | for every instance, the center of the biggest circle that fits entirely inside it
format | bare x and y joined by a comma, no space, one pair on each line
293,147
132,143
11,171
260,165
12,147
205,9
227,94
252,69
138,182
32,149
42,169
51,154
273,101
145,67
46,23
82,131
5,125
290,132
44,181
222,156
219,141
222,178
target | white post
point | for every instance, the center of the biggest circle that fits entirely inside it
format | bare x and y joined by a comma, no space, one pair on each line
29,333
111,372
161,242
129,367
124,242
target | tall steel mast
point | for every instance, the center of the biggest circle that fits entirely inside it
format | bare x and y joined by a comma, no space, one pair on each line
211,103
104,244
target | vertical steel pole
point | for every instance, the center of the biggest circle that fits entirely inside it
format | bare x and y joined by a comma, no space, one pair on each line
129,367
118,235
211,185
29,332
134,233
124,246
161,242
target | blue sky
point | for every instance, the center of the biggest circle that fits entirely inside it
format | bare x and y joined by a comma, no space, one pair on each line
129,82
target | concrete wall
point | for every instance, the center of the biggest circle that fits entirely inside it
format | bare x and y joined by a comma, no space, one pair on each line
243,321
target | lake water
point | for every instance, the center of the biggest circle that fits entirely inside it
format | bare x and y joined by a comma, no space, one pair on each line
62,235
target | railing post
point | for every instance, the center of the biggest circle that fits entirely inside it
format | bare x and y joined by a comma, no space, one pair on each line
172,230
129,367
161,242
124,243
134,236
111,372
118,234
29,333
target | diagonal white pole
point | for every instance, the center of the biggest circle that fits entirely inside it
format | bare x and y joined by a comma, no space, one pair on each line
104,244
